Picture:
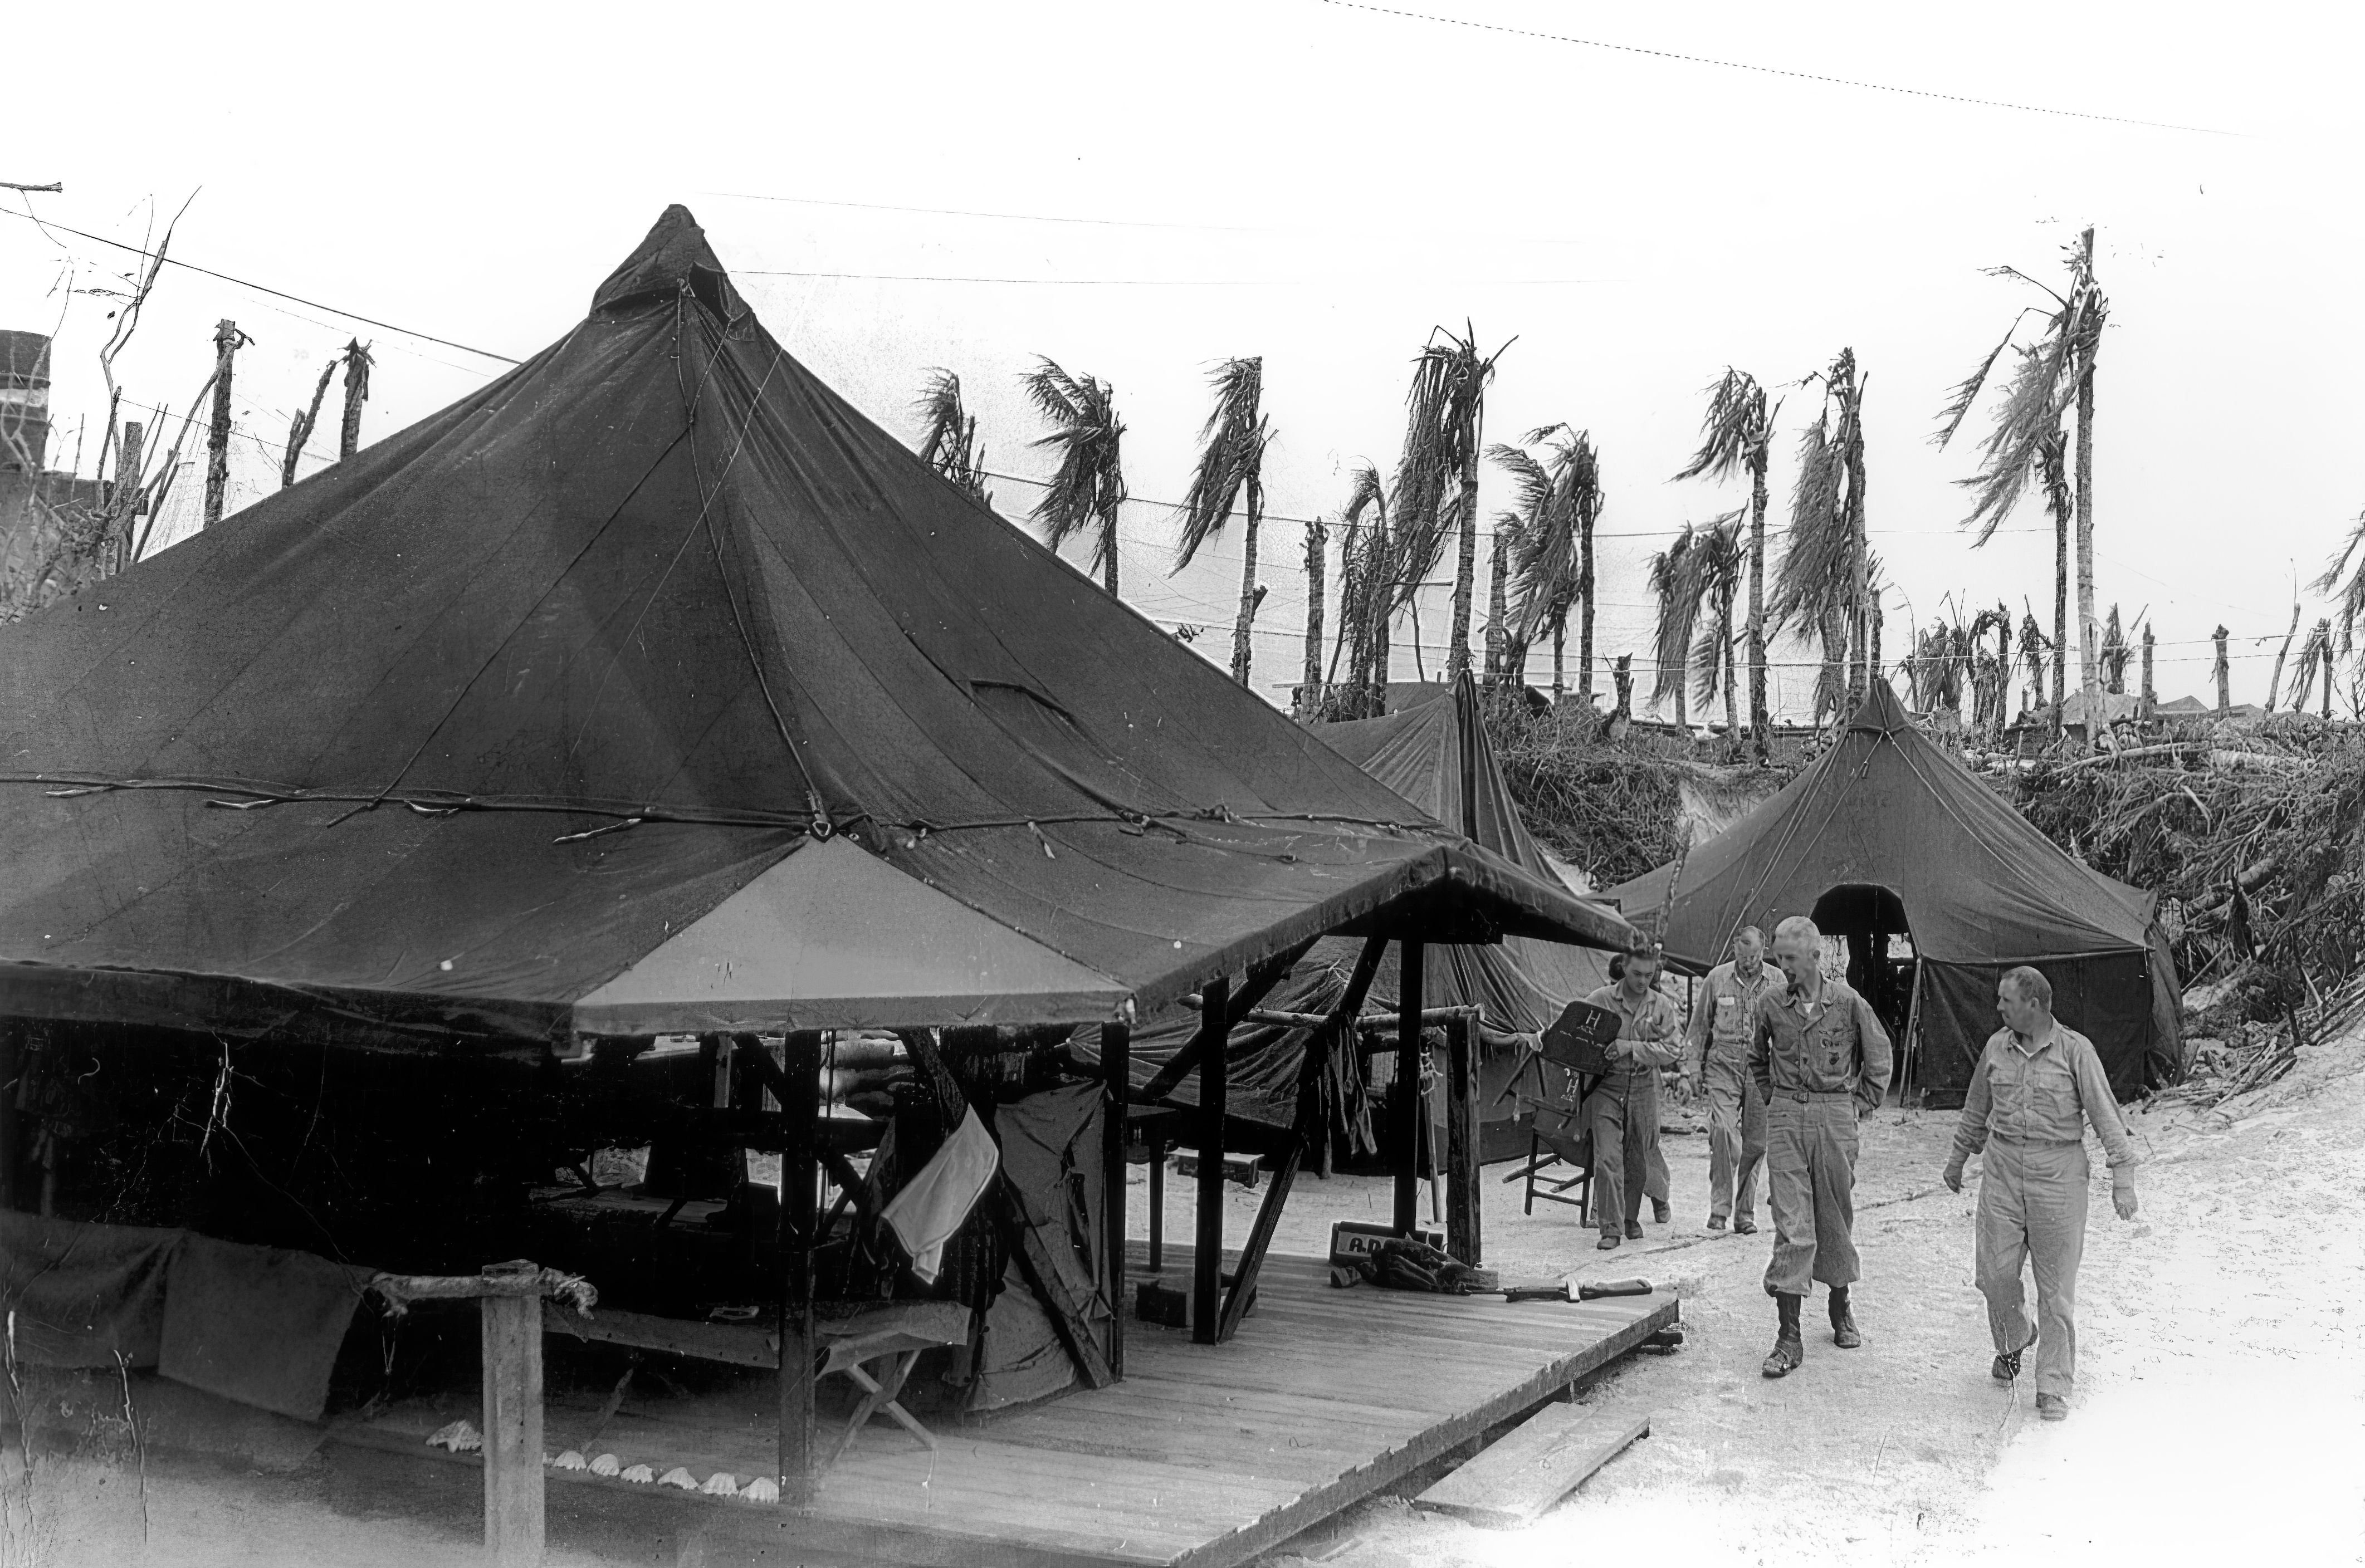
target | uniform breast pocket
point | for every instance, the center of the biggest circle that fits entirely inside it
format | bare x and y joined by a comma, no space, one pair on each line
2052,1091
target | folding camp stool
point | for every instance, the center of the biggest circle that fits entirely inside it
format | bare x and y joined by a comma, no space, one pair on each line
895,1333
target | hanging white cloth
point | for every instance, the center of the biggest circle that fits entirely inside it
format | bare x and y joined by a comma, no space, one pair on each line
936,1200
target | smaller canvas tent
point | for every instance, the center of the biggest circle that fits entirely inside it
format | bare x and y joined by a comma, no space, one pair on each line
1888,834
1438,757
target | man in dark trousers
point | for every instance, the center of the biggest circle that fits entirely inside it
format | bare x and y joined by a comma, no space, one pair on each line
1623,1112
2036,1083
1716,1058
1821,1060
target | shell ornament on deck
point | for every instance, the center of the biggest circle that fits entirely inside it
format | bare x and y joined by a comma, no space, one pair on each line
571,1459
641,1473
763,1489
680,1477
606,1465
721,1483
457,1436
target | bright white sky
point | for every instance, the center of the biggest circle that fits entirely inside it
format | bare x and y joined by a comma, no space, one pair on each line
1316,183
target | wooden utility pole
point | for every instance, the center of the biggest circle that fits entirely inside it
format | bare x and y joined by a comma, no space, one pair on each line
2324,641
227,338
2149,697
2275,681
357,369
2224,697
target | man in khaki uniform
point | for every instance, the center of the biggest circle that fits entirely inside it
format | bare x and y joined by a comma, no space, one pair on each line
1623,1112
1716,1058
2035,1085
1820,1057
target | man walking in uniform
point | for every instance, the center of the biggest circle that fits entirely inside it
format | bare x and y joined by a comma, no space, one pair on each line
1623,1112
2035,1082
1821,1060
1715,1056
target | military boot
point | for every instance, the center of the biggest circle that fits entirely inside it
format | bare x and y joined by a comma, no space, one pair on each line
1843,1332
1790,1351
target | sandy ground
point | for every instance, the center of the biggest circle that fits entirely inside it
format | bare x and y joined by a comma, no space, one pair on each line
2222,1384
2221,1376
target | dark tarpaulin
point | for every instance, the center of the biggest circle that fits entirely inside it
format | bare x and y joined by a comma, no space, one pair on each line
341,758
1981,891
1436,756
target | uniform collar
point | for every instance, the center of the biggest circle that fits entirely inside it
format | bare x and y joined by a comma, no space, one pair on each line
1765,972
2052,1037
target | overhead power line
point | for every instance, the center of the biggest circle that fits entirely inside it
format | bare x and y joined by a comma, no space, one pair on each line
1775,69
260,288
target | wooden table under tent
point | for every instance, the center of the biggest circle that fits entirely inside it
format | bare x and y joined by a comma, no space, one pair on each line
640,838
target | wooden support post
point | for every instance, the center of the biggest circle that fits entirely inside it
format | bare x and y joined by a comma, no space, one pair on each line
1268,1219
12,1056
512,1405
801,1105
1405,1105
1207,1255
1261,980
227,338
1117,1063
1462,1229
1157,1201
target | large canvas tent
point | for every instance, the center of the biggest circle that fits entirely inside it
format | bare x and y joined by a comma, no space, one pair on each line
1887,832
653,688
1437,757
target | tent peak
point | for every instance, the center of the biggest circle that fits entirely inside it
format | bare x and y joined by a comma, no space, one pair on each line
1881,714
673,257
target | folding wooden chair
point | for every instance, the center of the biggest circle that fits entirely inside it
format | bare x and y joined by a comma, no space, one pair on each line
895,1333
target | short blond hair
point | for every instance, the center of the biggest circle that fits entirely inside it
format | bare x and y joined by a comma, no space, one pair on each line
1798,926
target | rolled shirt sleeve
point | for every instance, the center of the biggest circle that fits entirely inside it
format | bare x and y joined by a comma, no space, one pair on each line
1659,1046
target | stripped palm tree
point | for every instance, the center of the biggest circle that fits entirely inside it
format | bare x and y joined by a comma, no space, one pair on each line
1738,433
1718,559
2050,378
1090,485
1365,597
2115,654
1436,489
1558,500
1498,581
1999,621
2314,654
948,441
2033,647
1231,462
1675,584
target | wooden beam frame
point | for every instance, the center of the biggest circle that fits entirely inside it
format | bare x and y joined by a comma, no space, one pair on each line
1253,990
1405,1106
797,1086
1116,1085
1207,1255
1462,1239
1268,1219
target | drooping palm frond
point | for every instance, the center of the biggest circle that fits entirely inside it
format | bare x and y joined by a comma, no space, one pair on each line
1675,584
948,441
1442,411
1558,500
2352,592
1818,558
1737,431
1231,454
1089,486
1720,562
2040,390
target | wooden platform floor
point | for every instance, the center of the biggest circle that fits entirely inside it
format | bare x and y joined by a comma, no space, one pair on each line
1202,1456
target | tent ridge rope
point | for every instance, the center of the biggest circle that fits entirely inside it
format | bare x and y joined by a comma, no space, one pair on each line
440,802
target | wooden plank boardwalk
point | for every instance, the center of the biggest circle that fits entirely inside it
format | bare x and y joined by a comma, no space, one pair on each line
1203,1457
